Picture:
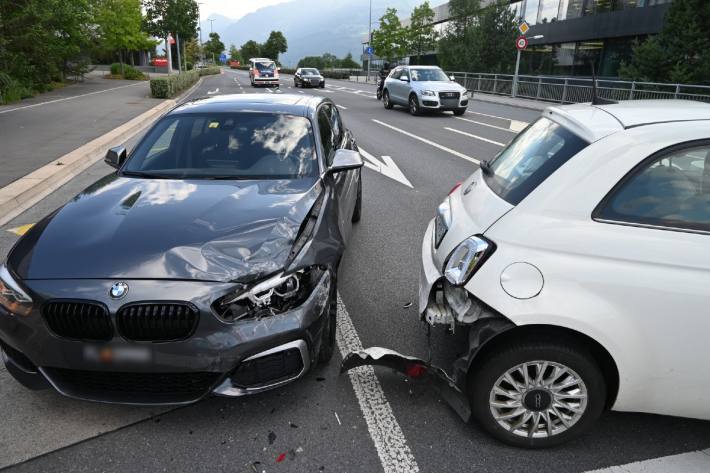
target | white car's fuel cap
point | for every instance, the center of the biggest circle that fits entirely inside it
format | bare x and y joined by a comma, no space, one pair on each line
521,280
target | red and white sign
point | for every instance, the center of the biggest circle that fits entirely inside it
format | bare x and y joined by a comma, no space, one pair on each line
521,43
171,40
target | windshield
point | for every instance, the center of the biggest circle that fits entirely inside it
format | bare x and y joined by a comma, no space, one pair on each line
310,72
422,75
531,158
226,146
265,66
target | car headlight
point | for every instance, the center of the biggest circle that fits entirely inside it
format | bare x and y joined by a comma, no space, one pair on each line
429,93
442,222
272,296
12,297
466,258
464,94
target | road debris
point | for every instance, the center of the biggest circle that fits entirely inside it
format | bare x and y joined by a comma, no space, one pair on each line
337,418
271,437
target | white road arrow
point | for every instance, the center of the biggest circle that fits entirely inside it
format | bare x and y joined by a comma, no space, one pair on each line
386,167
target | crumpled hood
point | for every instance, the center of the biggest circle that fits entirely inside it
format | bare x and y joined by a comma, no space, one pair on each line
125,228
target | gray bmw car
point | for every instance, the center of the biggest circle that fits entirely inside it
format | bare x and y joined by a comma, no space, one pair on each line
205,264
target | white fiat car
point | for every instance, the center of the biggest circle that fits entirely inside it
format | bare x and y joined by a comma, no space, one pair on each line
579,260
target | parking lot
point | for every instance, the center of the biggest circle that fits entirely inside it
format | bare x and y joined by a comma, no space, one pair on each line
369,420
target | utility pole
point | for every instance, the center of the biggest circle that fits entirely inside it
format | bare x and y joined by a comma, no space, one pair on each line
199,23
177,38
514,90
211,23
369,41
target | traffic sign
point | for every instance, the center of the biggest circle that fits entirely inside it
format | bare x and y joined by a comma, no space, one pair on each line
222,57
523,27
521,43
171,40
370,50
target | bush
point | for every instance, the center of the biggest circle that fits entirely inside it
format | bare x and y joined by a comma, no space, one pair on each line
210,71
116,69
13,90
129,72
166,87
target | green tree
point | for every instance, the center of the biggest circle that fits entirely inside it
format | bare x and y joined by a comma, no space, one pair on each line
390,39
193,51
680,52
250,49
422,35
454,49
214,47
349,63
312,61
275,45
178,17
234,54
119,27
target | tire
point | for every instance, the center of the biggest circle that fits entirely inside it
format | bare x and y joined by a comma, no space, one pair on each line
379,94
459,111
414,105
386,100
489,373
322,86
357,213
327,345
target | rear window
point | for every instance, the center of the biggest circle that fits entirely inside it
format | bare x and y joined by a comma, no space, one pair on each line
227,146
530,158
265,66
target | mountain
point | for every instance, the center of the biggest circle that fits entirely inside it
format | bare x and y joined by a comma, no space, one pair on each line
219,24
312,27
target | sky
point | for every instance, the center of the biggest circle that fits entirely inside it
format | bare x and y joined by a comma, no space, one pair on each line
234,9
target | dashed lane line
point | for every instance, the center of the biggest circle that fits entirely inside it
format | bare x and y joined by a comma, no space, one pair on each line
69,98
485,124
340,106
390,443
429,142
470,135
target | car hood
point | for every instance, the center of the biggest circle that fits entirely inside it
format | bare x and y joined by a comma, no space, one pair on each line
438,86
126,228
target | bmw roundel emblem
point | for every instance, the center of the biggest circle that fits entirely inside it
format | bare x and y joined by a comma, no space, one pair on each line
118,290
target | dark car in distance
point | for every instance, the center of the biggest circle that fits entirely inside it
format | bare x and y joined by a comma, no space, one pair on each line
206,264
308,77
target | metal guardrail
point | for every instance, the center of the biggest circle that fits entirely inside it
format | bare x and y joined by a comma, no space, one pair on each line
576,89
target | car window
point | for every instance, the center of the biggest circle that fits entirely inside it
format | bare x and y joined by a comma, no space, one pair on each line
337,125
421,75
530,158
265,66
227,145
405,74
395,73
670,191
327,137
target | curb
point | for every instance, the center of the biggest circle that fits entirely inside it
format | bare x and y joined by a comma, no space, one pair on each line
25,192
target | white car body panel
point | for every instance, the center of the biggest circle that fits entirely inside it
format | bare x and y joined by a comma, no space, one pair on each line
642,293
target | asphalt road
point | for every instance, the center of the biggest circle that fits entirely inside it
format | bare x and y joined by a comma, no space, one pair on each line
319,422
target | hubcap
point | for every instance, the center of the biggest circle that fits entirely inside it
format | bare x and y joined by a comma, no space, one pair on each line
538,399
412,105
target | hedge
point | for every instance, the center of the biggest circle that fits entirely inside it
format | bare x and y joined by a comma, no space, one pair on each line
167,86
209,71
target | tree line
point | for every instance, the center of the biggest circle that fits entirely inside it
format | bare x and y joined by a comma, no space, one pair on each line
274,45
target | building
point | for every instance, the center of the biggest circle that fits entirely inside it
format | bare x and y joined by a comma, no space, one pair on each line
577,32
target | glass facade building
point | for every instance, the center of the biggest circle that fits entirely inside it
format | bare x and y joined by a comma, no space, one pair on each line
579,33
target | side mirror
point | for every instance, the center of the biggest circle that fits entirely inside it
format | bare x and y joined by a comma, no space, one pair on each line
115,157
345,160
453,78
404,79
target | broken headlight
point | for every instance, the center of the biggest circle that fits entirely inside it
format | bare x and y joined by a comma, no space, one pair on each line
12,297
272,296
466,258
442,221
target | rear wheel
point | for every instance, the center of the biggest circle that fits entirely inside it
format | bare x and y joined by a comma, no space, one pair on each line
414,105
327,346
537,394
386,100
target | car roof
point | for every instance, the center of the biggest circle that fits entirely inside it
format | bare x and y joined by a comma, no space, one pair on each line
424,67
593,122
292,104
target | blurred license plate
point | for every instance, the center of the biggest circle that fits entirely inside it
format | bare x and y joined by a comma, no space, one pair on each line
104,354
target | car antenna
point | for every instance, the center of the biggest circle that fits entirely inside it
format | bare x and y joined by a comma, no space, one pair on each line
596,100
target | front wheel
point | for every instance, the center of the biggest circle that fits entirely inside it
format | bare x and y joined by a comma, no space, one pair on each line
322,85
414,105
386,100
459,111
537,394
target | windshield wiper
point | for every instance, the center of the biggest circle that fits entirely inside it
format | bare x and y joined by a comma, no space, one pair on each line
148,175
486,168
228,177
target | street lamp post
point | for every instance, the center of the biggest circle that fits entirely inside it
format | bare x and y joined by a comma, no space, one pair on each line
514,92
369,45
199,23
211,20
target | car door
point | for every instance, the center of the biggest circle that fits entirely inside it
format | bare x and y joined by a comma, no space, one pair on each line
393,83
652,245
403,87
332,138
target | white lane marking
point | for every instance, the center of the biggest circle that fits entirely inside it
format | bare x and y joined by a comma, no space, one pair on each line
70,98
517,125
390,443
210,92
270,90
485,124
340,106
487,115
301,92
429,142
691,462
497,143
388,168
